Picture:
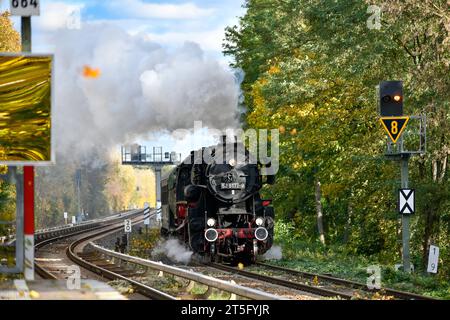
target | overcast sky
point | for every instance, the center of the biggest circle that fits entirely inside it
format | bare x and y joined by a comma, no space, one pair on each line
167,22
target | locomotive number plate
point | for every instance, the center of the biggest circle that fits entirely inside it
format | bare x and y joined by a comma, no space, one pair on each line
232,186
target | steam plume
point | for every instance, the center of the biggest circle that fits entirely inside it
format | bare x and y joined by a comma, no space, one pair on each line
141,87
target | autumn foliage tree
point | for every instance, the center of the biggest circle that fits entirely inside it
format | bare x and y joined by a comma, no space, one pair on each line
311,68
9,37
9,42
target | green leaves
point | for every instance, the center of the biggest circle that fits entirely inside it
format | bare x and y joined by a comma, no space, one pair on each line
311,69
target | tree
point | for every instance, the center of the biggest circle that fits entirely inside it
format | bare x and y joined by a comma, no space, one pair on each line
9,42
9,37
311,70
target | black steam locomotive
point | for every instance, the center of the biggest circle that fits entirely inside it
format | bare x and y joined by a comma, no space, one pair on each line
215,207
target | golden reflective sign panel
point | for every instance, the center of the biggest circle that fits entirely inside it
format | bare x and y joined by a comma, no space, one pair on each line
25,108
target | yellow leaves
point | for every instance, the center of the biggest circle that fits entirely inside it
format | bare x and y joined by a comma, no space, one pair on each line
34,294
9,37
378,296
274,70
260,114
86,286
332,189
297,165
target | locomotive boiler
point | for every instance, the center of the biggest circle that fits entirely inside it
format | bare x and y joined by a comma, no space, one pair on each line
215,206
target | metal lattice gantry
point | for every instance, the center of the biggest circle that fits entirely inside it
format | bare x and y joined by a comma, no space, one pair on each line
137,155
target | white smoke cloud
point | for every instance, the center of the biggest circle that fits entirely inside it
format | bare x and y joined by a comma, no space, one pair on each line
274,253
174,250
142,88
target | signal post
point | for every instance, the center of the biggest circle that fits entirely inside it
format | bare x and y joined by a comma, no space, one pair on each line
26,9
394,122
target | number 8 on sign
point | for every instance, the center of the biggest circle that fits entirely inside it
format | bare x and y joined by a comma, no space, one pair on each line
394,127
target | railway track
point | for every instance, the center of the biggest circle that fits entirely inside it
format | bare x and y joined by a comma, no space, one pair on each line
103,262
345,283
345,289
283,283
98,254
115,266
108,271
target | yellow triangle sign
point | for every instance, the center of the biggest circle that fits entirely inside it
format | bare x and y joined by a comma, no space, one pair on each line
394,126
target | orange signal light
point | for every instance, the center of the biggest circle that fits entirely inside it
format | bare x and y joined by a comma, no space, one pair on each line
397,98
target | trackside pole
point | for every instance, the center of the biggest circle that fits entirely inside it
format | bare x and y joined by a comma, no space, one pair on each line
405,217
28,179
26,34
28,199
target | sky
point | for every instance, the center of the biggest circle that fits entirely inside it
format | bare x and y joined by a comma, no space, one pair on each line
167,22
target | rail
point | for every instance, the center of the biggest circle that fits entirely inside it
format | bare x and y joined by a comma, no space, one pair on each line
54,234
352,284
189,275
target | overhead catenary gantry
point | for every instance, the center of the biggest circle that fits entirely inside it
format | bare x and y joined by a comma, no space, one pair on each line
137,155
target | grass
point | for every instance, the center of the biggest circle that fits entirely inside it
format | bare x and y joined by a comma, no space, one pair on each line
333,260
143,244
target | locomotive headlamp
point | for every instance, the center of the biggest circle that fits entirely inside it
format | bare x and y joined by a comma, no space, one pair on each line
211,222
261,233
259,221
232,162
211,235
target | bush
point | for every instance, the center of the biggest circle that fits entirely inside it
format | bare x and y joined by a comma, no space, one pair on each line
284,232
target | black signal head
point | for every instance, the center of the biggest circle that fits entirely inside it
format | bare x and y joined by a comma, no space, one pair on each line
391,98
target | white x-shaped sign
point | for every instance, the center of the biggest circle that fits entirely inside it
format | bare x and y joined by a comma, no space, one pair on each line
406,203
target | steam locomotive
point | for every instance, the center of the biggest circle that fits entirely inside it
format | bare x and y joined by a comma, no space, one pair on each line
215,207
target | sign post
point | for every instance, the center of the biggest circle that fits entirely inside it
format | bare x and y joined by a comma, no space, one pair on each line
433,259
394,122
146,216
26,9
405,217
127,229
394,126
28,200
65,217
406,201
